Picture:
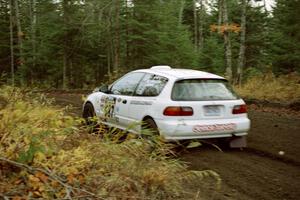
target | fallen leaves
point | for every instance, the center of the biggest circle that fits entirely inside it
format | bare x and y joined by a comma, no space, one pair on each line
42,177
53,170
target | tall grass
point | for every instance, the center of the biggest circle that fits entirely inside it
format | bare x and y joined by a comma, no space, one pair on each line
285,88
46,154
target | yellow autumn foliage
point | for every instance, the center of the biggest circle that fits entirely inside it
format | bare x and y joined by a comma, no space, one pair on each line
29,126
38,135
284,89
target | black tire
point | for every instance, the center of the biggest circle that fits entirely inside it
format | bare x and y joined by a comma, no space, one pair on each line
149,127
223,143
88,114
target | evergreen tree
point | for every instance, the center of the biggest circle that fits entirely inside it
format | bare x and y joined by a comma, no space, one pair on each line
286,36
4,36
75,43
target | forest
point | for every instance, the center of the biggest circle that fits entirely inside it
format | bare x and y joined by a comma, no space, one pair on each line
53,52
81,43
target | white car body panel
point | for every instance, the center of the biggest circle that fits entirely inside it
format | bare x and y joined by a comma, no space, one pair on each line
198,126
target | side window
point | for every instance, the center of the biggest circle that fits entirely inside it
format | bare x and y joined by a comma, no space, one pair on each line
151,85
127,84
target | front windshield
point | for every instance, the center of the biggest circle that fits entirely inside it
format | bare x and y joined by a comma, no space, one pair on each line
203,90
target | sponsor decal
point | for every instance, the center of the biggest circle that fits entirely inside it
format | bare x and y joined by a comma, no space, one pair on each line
141,102
214,127
103,99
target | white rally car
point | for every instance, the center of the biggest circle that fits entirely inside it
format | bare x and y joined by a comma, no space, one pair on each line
181,104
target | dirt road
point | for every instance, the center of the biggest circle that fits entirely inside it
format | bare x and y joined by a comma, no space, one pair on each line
268,169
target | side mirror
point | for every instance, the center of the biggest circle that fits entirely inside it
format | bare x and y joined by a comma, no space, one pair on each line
104,89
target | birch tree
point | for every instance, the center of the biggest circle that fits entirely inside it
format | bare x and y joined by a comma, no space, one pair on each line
201,24
116,35
227,43
180,14
220,14
20,39
195,12
241,58
32,10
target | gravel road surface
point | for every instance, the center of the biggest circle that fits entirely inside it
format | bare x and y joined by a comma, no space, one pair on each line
268,169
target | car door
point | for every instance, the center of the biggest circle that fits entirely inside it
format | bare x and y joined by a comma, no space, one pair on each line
145,95
117,111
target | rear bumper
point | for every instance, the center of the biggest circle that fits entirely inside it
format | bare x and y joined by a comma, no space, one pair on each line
203,129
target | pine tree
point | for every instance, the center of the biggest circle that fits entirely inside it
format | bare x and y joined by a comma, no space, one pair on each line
286,36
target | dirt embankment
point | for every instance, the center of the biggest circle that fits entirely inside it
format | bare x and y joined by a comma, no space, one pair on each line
268,169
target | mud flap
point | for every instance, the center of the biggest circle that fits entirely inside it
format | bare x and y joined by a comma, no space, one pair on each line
238,142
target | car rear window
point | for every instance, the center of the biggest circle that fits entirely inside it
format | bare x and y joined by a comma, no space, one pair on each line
202,90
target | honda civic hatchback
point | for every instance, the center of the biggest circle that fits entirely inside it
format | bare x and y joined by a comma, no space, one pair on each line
180,104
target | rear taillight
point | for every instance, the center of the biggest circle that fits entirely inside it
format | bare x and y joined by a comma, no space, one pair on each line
239,109
178,111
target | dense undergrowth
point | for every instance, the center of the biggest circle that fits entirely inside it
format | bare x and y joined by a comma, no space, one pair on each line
47,154
284,89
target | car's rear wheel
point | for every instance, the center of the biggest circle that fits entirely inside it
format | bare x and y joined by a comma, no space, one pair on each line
149,128
233,142
223,143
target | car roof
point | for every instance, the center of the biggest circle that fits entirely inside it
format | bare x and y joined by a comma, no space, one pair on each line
179,73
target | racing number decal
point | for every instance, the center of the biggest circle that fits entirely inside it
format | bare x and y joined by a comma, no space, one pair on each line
108,104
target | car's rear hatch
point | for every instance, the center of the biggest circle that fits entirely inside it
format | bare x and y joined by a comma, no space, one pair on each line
209,99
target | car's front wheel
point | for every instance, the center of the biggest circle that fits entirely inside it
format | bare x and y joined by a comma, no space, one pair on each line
89,115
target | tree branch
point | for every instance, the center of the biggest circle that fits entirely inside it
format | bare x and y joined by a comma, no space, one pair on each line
69,189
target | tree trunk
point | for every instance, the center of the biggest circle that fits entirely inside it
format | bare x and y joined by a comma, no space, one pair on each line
180,15
20,41
227,43
195,25
117,36
109,62
110,46
65,44
201,22
73,75
220,15
98,19
33,36
241,59
64,84
127,35
11,33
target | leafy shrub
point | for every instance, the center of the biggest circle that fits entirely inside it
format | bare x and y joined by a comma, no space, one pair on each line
57,159
285,88
29,126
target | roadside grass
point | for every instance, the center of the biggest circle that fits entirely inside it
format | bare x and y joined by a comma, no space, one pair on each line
283,89
47,154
